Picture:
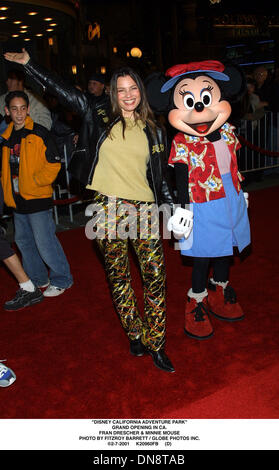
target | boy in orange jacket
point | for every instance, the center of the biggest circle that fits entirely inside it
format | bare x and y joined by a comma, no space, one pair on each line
30,164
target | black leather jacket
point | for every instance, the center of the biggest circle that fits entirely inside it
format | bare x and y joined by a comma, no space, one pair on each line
92,133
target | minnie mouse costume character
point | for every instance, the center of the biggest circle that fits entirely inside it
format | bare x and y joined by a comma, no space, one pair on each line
212,217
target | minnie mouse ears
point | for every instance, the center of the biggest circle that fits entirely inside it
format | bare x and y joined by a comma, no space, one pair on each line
159,102
235,88
230,79
212,68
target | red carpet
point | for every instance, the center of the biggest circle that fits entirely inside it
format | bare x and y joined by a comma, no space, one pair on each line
72,360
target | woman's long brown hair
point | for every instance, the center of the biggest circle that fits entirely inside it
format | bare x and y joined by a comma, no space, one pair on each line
143,111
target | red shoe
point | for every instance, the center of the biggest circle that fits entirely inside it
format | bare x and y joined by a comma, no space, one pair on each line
222,303
197,323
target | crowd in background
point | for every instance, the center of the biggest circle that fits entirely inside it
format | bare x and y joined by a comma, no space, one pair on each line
261,97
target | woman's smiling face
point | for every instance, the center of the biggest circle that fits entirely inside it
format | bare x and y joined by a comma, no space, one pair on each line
128,94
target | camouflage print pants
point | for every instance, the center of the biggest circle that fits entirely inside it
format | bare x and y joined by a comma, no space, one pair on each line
149,251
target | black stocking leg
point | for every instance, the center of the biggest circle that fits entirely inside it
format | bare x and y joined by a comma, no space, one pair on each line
221,267
199,274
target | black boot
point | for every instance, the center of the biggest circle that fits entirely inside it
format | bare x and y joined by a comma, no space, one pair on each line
136,347
161,360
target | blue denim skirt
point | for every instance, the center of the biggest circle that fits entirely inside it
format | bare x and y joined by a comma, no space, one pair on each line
219,225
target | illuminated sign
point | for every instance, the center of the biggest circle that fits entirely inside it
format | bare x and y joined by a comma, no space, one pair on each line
93,31
246,21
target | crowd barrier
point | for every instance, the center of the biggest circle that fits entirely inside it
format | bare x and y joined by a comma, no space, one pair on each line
260,143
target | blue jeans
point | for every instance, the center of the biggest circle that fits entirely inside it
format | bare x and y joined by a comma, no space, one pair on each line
40,249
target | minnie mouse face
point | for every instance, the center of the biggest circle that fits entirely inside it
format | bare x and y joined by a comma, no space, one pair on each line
199,107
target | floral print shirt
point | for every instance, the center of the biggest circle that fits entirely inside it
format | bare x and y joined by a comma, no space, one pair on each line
205,182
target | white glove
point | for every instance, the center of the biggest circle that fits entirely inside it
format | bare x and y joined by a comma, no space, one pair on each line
89,211
246,195
181,223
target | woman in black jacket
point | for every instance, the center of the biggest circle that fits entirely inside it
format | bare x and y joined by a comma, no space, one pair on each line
124,163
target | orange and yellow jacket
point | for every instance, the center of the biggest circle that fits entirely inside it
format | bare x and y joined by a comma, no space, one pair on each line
39,163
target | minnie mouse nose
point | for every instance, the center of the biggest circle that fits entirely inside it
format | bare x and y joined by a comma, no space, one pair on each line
199,106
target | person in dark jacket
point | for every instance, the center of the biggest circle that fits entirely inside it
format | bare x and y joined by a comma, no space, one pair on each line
125,165
96,88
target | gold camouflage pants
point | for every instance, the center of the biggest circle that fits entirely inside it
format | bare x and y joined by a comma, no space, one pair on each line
148,248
